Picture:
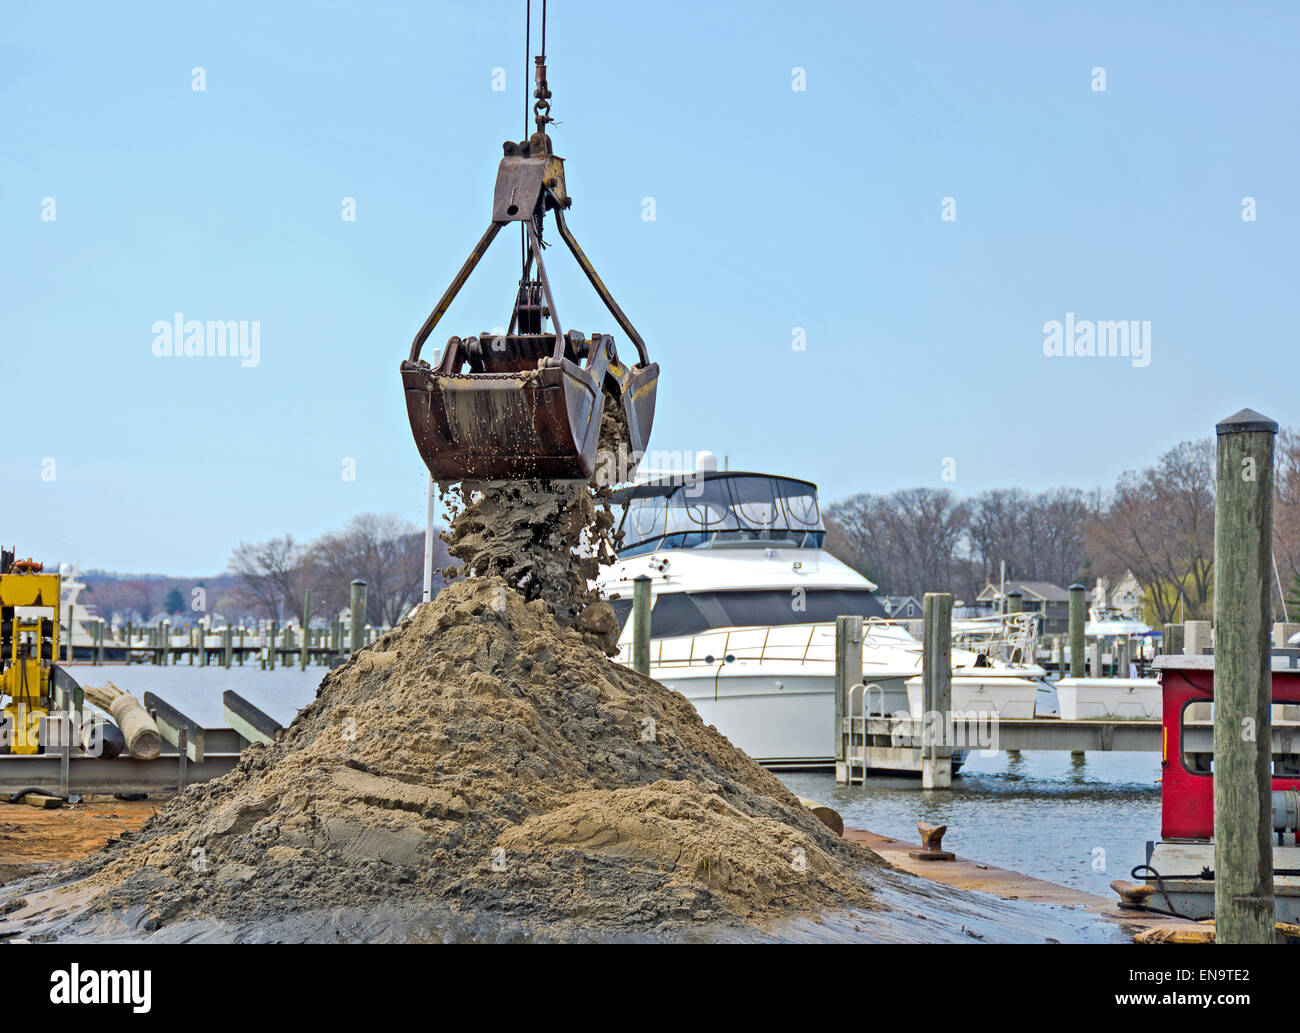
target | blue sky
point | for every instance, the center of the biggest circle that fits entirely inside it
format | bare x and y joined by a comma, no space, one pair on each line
774,209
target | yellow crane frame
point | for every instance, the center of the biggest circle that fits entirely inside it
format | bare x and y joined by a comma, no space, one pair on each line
25,675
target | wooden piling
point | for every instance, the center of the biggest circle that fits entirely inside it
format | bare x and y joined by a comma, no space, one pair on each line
358,619
936,689
1243,679
641,624
1078,613
848,673
306,625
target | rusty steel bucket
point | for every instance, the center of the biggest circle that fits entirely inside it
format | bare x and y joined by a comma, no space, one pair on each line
527,403
505,408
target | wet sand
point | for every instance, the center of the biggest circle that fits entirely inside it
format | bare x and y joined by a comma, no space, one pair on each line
961,901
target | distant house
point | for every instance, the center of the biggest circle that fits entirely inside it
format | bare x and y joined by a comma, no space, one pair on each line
1051,602
1125,598
901,607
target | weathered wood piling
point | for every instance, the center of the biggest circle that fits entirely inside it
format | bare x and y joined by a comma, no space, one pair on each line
1243,542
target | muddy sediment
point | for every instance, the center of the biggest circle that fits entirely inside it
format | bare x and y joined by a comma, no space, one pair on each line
480,760
547,539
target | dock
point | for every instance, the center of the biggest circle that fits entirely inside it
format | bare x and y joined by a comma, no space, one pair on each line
967,874
190,753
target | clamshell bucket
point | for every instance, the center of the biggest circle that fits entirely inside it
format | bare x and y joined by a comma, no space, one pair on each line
527,403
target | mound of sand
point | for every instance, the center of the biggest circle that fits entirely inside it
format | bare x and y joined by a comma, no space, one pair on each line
485,758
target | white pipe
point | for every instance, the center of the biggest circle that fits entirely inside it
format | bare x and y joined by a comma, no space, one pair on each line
428,544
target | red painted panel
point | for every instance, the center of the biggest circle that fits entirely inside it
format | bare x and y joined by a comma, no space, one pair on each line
1187,797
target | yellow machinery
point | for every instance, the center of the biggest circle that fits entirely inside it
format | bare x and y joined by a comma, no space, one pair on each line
29,645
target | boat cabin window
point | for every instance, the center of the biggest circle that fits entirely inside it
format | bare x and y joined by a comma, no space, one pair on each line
1197,737
739,510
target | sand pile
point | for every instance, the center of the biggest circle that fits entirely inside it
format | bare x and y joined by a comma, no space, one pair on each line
484,758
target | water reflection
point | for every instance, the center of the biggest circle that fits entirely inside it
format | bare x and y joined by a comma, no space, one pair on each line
1078,821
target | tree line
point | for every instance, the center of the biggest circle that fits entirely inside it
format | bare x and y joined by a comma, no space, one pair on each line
1157,521
383,550
269,579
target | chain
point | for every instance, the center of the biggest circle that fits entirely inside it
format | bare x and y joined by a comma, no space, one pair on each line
542,107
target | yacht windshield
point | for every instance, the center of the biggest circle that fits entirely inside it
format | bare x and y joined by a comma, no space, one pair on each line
729,510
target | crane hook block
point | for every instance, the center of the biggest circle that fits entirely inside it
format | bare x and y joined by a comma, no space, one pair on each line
526,172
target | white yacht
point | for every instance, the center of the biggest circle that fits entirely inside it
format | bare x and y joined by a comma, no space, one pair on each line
744,601
1111,623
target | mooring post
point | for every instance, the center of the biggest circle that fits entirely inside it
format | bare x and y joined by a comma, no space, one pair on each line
166,629
1078,611
936,689
1172,639
272,634
848,673
358,618
1015,601
67,651
306,625
1243,680
1196,637
641,624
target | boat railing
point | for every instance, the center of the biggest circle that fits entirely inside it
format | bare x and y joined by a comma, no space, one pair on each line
704,649
1009,637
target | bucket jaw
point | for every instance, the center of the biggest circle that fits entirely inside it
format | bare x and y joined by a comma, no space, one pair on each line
527,403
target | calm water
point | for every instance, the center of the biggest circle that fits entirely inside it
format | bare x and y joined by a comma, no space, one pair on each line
1079,824
1043,814
196,691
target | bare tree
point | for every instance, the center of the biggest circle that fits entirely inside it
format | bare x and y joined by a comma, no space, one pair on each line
1286,519
270,575
1159,523
907,542
381,549
1066,512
